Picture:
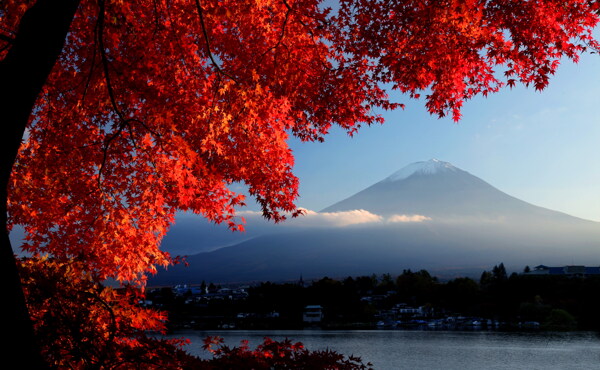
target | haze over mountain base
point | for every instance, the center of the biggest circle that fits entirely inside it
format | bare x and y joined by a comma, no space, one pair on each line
429,215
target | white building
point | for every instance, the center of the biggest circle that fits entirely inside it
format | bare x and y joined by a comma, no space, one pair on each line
313,314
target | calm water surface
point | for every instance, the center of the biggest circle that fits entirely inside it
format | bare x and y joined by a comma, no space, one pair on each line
435,349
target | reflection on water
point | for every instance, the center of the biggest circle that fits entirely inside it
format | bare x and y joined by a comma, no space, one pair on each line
391,349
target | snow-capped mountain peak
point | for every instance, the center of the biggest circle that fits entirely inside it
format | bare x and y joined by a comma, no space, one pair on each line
429,167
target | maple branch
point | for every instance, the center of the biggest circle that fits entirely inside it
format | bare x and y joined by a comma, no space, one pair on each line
113,323
124,122
206,39
5,47
7,39
309,29
156,22
111,95
92,66
283,26
105,64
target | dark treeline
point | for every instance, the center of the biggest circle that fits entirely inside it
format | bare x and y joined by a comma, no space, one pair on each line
555,302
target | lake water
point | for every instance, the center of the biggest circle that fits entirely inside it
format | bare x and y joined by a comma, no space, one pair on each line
400,349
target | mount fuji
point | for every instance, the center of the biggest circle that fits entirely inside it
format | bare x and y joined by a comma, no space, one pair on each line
429,215
443,192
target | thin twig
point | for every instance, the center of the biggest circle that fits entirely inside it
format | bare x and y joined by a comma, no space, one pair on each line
7,39
206,39
283,26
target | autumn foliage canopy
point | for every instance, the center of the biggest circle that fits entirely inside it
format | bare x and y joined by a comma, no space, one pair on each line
156,107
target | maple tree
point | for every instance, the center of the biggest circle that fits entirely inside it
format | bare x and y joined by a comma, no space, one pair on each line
118,114
92,326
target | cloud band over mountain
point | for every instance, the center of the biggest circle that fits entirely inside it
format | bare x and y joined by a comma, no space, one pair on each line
339,219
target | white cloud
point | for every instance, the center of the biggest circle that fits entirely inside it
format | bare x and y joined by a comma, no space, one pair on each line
193,234
408,218
337,219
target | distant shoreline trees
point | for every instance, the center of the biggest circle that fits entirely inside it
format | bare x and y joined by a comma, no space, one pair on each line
555,302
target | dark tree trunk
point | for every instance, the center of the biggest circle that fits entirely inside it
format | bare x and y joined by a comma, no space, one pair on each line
23,73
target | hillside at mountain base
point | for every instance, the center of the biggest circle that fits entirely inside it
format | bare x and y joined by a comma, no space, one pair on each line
464,225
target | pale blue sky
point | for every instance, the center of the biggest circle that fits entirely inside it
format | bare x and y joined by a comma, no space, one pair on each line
541,147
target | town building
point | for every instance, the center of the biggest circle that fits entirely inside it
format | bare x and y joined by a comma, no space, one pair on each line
570,270
312,314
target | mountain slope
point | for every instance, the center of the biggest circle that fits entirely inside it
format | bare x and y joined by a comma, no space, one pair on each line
443,192
443,249
471,226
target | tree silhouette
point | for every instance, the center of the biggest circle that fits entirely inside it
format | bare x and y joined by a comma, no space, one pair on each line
116,114
499,272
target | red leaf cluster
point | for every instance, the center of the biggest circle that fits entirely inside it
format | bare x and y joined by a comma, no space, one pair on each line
273,354
453,49
82,324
